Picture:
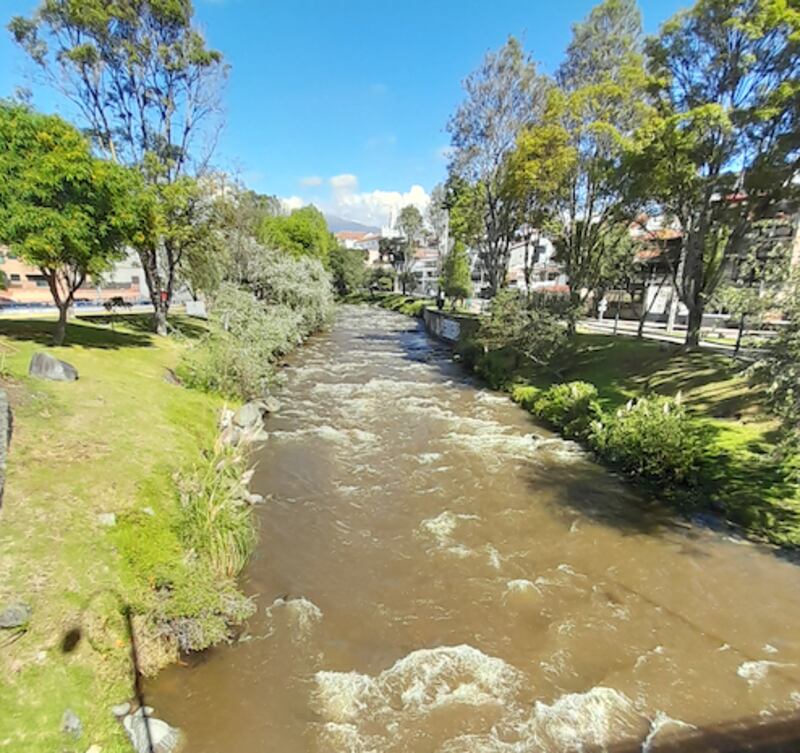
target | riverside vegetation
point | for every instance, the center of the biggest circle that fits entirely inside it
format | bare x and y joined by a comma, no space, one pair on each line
696,427
147,504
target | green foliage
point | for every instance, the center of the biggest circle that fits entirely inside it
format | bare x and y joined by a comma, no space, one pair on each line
779,372
61,209
527,331
381,279
652,438
216,522
726,81
303,232
237,357
569,407
456,278
347,269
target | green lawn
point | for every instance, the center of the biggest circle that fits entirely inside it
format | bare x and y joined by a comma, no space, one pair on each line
106,443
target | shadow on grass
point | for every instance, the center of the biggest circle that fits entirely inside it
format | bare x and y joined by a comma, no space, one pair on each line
143,323
41,332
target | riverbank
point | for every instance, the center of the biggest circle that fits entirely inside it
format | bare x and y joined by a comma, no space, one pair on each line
91,526
738,481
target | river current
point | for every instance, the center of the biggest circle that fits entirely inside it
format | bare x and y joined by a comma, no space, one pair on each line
437,573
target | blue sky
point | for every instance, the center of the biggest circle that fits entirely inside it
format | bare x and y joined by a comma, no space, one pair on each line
349,88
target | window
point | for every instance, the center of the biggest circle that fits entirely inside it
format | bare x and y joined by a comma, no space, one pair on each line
134,279
40,280
15,278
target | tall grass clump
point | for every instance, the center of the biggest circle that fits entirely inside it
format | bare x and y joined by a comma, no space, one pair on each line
216,522
569,407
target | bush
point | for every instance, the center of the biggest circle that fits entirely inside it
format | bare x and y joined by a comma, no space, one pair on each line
652,438
570,407
236,358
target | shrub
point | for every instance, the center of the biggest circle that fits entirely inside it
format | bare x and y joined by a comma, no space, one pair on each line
525,395
652,438
569,407
245,338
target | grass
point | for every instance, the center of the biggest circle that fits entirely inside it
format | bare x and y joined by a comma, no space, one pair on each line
740,478
109,442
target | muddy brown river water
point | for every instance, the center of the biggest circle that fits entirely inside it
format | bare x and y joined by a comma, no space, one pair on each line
437,573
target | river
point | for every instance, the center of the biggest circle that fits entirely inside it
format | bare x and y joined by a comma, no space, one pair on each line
437,573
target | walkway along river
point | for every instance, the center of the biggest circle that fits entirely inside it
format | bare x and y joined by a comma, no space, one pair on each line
438,573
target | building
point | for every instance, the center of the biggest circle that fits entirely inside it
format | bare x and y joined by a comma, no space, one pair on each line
546,274
367,242
425,267
27,286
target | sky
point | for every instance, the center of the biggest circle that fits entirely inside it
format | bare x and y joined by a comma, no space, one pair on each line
344,103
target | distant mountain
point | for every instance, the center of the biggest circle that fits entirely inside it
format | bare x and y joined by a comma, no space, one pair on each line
339,224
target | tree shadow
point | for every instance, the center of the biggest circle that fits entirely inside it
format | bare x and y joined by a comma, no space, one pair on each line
178,324
78,334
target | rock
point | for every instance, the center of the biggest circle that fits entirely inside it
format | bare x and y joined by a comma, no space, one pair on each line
107,519
247,476
15,615
271,404
164,739
45,366
170,377
248,416
254,435
254,499
71,724
121,709
6,427
149,511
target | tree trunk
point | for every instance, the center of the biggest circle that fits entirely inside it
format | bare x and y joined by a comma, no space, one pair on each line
694,322
61,325
739,335
160,318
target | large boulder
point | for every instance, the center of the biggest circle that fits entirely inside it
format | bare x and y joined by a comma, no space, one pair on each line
45,366
249,416
6,427
161,738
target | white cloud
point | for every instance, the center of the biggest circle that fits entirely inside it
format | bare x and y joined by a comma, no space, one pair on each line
311,180
369,207
375,207
345,182
293,202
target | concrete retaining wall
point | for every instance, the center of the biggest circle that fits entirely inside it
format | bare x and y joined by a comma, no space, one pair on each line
448,326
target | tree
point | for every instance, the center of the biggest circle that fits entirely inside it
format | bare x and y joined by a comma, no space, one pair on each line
456,277
576,153
528,331
303,232
436,213
409,223
147,87
61,210
723,147
347,269
504,94
756,283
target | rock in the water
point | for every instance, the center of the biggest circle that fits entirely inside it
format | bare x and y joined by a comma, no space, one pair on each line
15,615
71,724
164,739
6,427
45,366
107,519
255,499
121,709
271,404
248,416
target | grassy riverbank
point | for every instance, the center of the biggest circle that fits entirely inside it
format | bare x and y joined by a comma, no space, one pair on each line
738,479
108,443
